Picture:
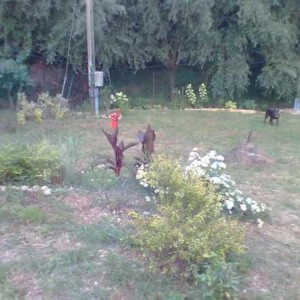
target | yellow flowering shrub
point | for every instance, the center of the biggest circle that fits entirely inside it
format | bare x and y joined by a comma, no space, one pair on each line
188,227
46,106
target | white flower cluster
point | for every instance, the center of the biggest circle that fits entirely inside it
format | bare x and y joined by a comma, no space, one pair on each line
44,189
190,94
210,167
119,98
202,92
140,175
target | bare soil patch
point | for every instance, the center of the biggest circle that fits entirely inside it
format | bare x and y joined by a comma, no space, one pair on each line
27,284
84,211
248,154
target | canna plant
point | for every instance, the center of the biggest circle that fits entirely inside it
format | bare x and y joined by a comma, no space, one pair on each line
117,163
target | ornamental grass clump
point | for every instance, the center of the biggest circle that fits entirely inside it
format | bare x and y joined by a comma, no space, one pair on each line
32,164
188,229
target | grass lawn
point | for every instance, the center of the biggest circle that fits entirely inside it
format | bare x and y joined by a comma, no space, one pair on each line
67,245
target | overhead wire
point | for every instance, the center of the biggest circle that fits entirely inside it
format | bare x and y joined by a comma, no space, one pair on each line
69,47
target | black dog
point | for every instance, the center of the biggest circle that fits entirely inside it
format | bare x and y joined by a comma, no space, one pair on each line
272,113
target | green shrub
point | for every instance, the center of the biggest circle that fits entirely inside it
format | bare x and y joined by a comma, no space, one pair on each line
31,164
46,106
32,214
190,94
231,104
199,100
188,229
249,104
180,100
141,103
219,281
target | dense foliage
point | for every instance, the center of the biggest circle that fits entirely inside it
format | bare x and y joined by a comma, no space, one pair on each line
188,230
33,164
236,44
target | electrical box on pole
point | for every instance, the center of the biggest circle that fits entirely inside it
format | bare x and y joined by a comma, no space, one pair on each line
98,78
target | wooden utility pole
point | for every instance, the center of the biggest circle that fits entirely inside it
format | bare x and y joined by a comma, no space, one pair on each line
91,50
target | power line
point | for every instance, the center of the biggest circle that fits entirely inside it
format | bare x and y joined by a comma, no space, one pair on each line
69,47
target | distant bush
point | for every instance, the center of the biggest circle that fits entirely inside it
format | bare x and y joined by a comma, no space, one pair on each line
197,100
188,230
46,106
141,103
248,104
231,104
29,164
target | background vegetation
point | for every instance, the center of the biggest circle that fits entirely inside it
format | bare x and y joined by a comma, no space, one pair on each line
236,47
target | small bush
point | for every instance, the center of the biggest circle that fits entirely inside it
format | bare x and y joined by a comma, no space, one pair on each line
180,99
188,229
30,164
249,104
32,214
231,105
219,281
46,106
141,103
200,100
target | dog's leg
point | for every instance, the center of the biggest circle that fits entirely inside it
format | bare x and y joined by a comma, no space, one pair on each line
266,117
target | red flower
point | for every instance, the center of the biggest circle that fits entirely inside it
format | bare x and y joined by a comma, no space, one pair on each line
114,119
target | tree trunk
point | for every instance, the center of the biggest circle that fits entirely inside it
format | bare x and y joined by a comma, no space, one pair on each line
172,80
10,101
298,87
172,67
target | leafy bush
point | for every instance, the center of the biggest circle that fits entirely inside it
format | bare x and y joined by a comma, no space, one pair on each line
32,164
179,99
55,107
197,101
202,95
249,104
46,106
188,229
190,94
231,104
219,281
141,103
13,77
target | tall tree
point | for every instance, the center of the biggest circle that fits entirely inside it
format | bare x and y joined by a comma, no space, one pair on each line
229,69
18,21
177,31
271,33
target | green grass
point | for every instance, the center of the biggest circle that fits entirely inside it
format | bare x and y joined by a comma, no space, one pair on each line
47,242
